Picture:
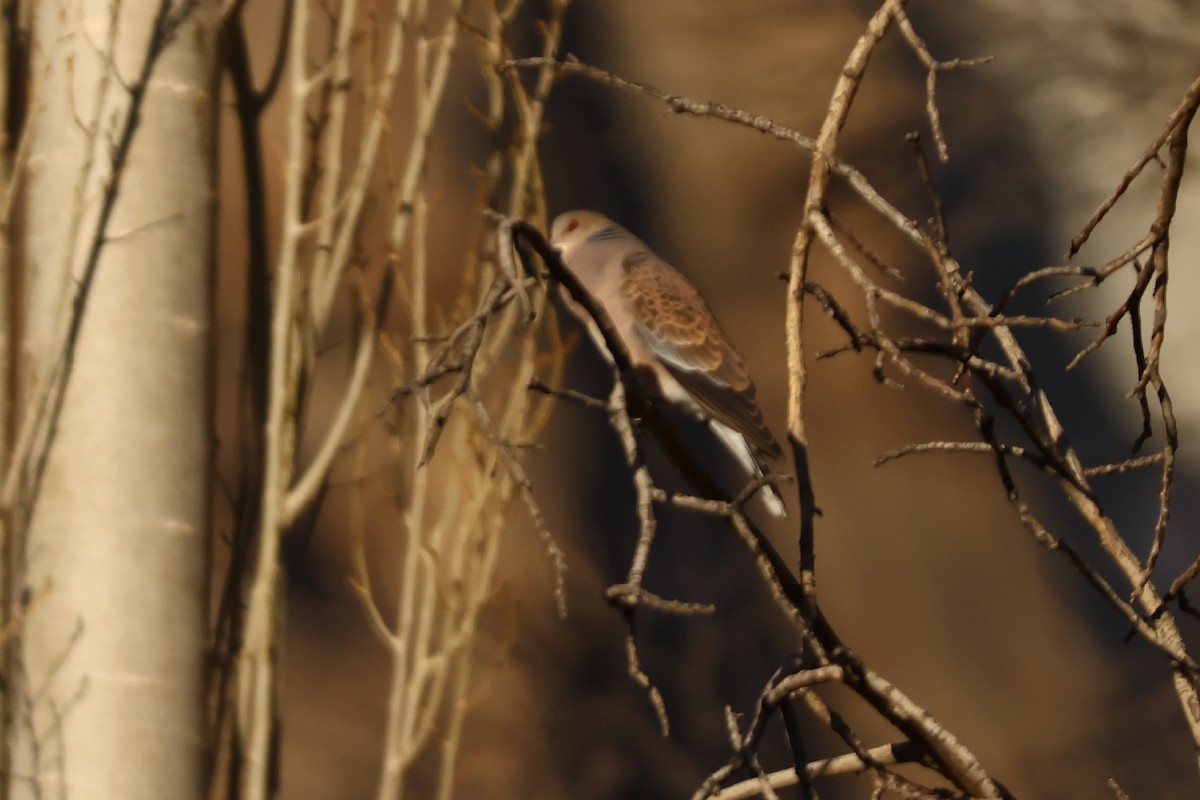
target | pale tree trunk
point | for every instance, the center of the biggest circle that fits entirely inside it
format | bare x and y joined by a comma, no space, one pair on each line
113,496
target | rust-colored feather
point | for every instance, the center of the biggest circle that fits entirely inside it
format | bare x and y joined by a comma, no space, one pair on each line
677,325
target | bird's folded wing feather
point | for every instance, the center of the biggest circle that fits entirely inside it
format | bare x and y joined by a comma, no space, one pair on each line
676,324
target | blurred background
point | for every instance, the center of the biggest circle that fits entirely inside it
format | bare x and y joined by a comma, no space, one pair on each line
922,564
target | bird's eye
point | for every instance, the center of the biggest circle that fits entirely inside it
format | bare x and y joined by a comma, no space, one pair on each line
572,225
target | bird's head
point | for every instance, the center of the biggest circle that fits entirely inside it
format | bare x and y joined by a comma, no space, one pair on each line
572,228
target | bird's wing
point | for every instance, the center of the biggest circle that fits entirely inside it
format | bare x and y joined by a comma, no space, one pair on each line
673,319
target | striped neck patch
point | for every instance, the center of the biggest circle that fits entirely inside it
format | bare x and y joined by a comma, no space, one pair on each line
606,233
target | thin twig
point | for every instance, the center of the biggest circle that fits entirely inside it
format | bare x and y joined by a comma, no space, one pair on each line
1185,110
932,68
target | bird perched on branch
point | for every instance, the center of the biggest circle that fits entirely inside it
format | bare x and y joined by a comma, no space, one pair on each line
670,334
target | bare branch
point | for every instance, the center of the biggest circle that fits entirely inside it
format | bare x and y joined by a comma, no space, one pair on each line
932,68
1180,117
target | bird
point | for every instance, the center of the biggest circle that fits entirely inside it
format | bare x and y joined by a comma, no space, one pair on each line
671,336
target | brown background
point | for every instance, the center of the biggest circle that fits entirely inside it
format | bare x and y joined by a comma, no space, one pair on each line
922,564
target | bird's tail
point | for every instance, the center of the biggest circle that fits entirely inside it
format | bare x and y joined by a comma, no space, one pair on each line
737,445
